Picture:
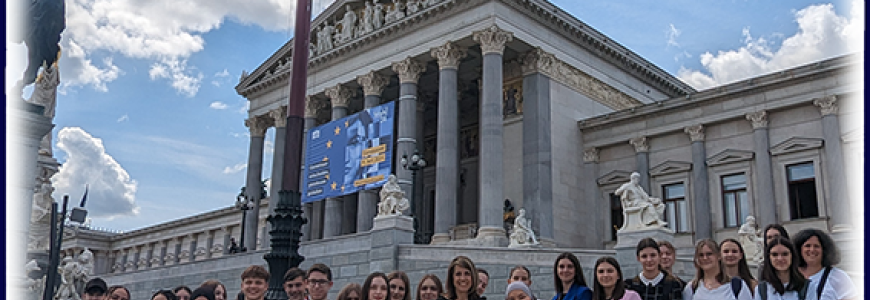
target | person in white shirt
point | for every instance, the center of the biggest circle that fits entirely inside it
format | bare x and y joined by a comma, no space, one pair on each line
818,255
711,282
780,278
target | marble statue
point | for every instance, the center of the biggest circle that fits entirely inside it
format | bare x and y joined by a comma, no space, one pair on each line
69,273
752,240
368,24
324,38
413,6
45,94
397,12
522,233
378,15
40,217
393,201
348,23
640,211
34,286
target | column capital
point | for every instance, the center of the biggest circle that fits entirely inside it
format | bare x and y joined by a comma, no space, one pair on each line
409,70
258,125
758,119
448,55
279,116
493,39
373,83
827,104
640,144
695,132
538,61
339,95
590,155
312,105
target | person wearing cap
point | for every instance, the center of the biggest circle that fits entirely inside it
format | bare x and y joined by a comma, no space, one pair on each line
95,289
518,290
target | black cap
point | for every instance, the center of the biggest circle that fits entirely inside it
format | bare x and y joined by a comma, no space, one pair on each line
96,285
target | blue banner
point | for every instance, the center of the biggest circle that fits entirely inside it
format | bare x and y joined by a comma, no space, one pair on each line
350,154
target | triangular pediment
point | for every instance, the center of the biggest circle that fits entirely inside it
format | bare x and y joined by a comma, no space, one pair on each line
796,144
730,156
670,167
614,177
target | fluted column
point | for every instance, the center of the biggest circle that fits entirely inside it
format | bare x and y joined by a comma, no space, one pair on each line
537,146
409,71
641,148
279,118
835,167
253,187
339,97
492,42
313,211
373,86
700,189
447,145
765,206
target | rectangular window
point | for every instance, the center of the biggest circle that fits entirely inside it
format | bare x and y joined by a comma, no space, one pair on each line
802,191
734,199
615,215
676,210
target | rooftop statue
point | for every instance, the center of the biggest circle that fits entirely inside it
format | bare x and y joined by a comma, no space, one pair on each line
43,21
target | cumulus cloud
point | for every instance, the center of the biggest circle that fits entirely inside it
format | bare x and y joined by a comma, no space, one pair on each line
218,105
235,169
178,73
111,190
821,34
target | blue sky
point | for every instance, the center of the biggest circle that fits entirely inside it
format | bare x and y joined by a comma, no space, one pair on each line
147,114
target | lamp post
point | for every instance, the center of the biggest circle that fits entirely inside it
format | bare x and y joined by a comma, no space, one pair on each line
244,204
414,164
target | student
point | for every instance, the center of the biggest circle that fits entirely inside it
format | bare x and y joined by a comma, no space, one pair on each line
780,278
818,255
318,279
521,273
203,293
399,285
461,280
220,291
182,292
518,290
118,292
429,288
162,295
608,283
376,287
735,263
568,279
774,230
95,289
351,291
255,281
294,284
653,283
711,282
482,282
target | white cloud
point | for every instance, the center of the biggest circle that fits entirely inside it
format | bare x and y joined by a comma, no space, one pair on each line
821,34
223,73
177,72
123,118
218,105
235,169
111,192
673,33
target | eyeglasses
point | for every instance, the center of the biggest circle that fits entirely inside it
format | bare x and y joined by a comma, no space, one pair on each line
316,282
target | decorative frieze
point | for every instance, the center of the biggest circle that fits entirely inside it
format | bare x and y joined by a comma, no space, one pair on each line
640,144
448,55
409,70
373,83
493,39
695,132
827,104
758,119
590,155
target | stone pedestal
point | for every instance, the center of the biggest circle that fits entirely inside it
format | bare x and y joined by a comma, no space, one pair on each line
388,233
626,246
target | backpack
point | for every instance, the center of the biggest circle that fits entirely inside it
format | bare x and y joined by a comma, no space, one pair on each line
736,285
822,282
802,293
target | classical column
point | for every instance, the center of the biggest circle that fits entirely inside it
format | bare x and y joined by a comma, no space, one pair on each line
591,194
191,247
339,96
492,41
373,86
765,200
641,148
447,145
257,125
537,146
279,119
409,71
313,211
835,167
700,189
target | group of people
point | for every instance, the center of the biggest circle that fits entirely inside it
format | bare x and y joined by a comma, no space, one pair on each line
800,268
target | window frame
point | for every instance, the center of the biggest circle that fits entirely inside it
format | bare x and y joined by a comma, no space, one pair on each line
793,151
737,207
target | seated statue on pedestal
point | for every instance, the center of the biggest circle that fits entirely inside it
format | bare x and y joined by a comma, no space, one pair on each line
393,201
640,211
752,240
522,234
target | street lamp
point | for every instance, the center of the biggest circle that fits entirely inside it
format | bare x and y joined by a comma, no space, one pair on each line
244,204
416,163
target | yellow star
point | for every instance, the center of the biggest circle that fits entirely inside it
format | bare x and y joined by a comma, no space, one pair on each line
337,130
342,188
328,144
346,123
333,185
325,158
327,176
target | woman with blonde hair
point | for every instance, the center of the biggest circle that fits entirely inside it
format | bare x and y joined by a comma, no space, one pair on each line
711,282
